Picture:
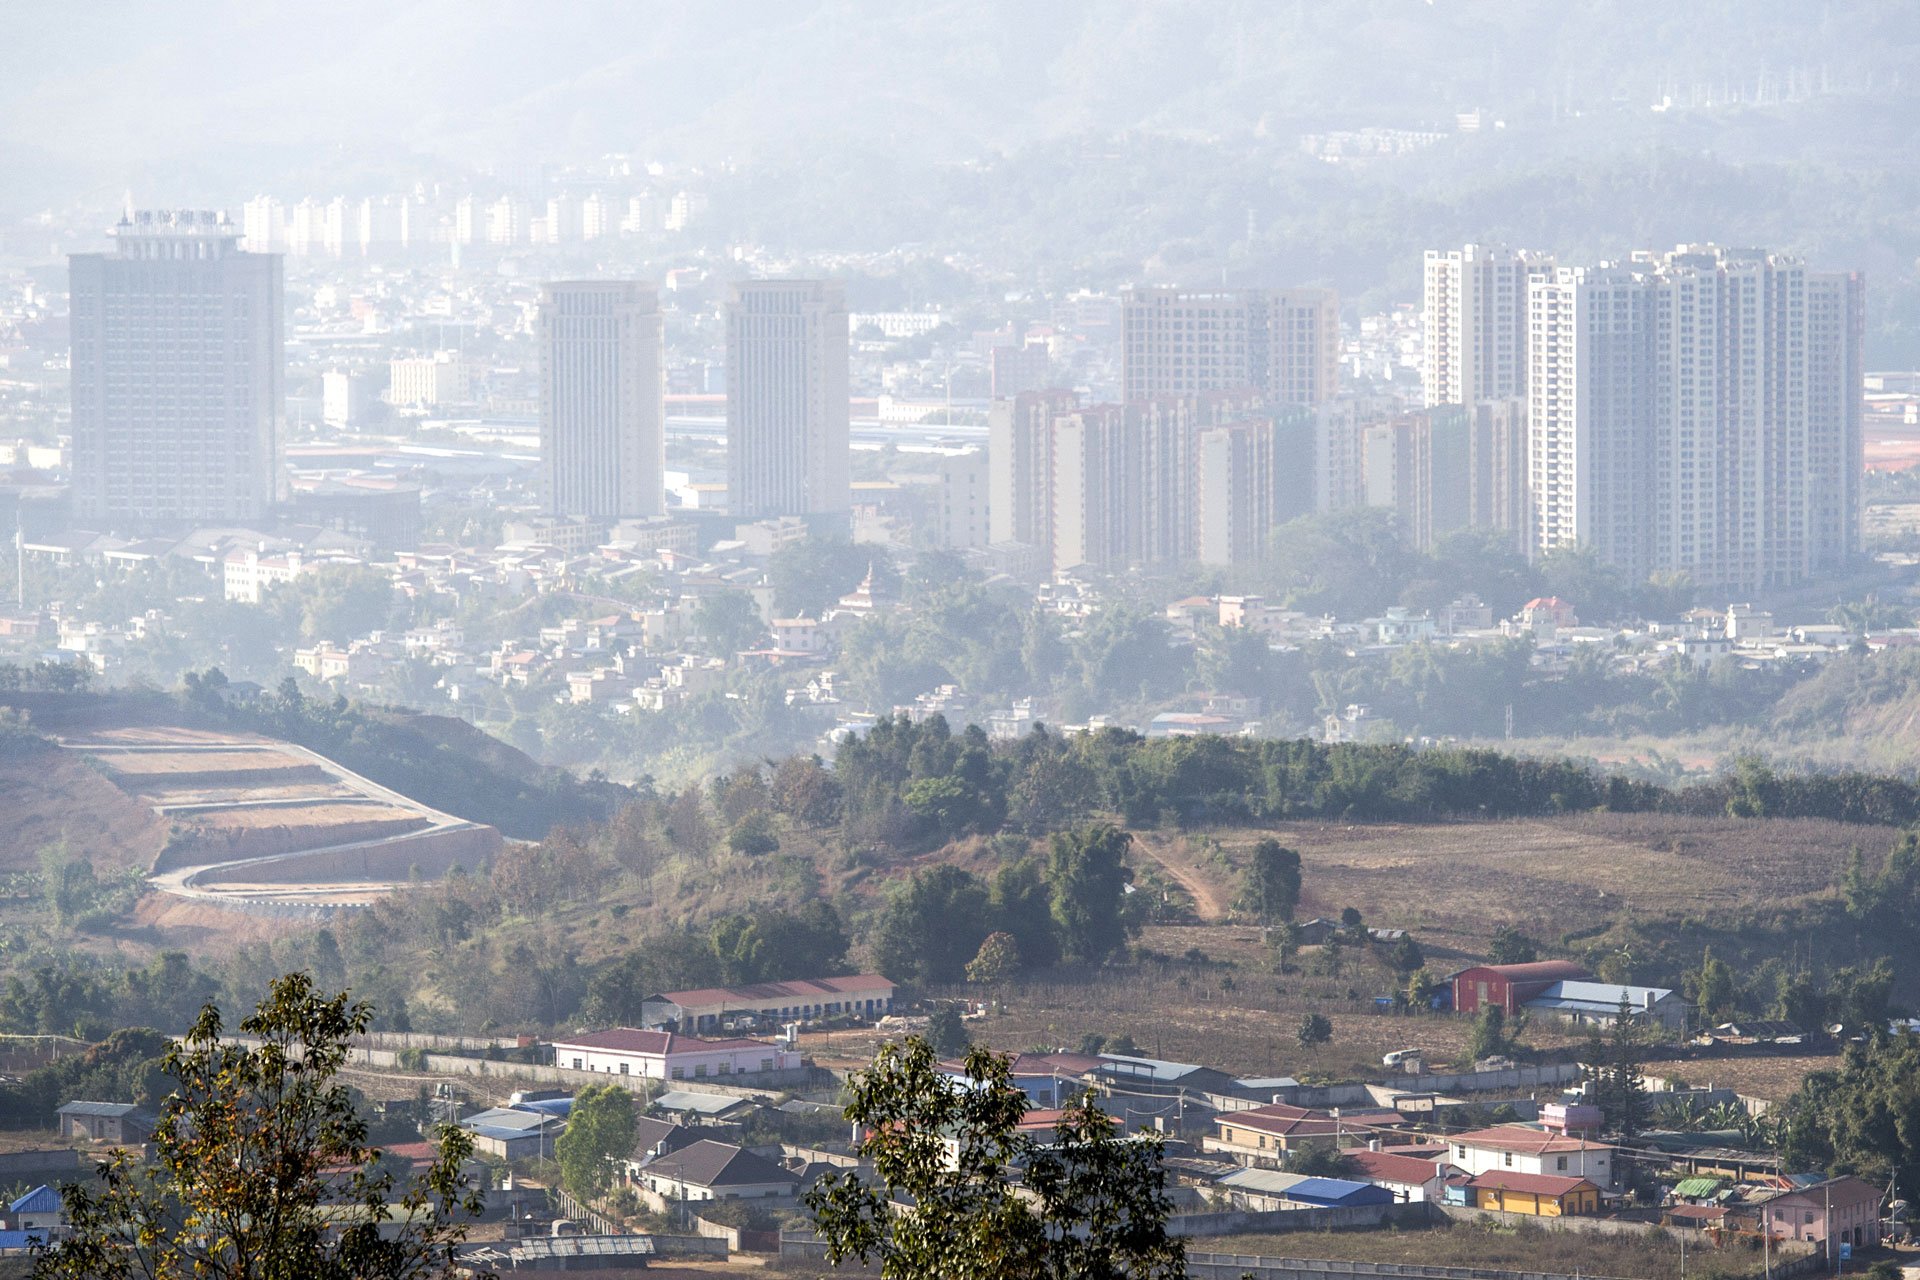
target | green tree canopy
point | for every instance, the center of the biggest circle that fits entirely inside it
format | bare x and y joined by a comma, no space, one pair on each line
600,1130
1087,871
727,622
1270,888
1091,1203
247,1177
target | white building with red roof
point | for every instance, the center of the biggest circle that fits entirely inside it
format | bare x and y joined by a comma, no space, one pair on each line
668,1055
1412,1179
1518,1148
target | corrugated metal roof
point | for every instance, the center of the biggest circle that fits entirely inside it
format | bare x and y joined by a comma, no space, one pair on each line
509,1120
1270,1181
1696,1187
1156,1069
706,1104
42,1199
1337,1191
107,1110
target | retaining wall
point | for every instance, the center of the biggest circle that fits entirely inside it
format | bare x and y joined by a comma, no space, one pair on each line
1234,1222
1549,1075
756,1085
375,859
200,846
689,1247
1570,1222
1232,1266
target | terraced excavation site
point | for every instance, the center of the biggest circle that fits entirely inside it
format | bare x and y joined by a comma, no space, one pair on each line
264,825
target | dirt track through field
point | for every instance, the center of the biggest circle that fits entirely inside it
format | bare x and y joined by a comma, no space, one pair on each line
1209,900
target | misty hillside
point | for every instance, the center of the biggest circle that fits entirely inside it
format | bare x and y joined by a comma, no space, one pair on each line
145,86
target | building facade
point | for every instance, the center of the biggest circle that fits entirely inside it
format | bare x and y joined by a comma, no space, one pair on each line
1517,1149
1020,466
1282,343
1475,321
667,1055
787,404
178,369
1697,412
1507,987
427,382
602,400
865,996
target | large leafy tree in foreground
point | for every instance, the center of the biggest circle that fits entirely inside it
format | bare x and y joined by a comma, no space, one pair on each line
1093,1205
261,1168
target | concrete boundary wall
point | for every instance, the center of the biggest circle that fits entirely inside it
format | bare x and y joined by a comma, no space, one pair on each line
1233,1222
1551,1075
1232,1266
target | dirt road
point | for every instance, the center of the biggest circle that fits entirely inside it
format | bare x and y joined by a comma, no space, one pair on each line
1211,901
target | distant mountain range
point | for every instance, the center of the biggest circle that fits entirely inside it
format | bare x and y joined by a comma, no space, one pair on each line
216,91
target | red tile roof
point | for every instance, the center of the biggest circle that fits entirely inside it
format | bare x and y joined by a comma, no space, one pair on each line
1539,1184
1384,1166
1301,1122
1047,1117
1518,1137
655,1043
759,993
1534,970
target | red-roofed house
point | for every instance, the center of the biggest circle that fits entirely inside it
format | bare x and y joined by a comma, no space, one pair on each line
1263,1135
867,996
1411,1178
667,1055
1508,986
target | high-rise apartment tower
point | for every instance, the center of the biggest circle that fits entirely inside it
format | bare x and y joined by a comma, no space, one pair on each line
178,370
602,410
787,398
1698,412
1281,343
1475,321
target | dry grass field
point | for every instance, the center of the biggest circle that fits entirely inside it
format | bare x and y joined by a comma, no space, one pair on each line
1774,1079
305,817
1651,1257
55,797
138,765
1453,885
1456,883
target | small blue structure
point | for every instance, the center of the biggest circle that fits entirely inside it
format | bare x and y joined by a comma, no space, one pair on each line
1337,1193
42,1199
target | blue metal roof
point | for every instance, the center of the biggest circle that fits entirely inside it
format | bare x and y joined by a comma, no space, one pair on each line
42,1199
20,1241
1337,1191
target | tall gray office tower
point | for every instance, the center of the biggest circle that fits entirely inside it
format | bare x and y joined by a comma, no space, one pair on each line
602,400
787,398
178,371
